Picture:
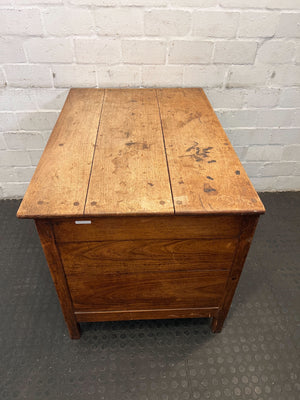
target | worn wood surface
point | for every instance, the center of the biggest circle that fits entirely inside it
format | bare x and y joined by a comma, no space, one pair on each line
206,175
152,290
131,228
60,182
129,174
138,152
147,255
45,231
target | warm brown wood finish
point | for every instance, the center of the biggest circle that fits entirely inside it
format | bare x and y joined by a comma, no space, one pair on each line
59,185
206,175
131,157
142,207
131,228
45,231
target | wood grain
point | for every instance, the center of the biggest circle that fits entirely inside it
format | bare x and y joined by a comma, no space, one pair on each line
206,175
94,316
45,231
162,227
59,184
142,291
129,175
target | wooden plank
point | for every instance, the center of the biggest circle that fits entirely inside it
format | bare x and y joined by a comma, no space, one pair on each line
206,174
142,291
147,255
59,185
247,232
94,316
129,174
45,231
132,228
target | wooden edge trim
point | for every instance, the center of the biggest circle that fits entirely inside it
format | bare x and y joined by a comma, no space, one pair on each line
46,234
96,316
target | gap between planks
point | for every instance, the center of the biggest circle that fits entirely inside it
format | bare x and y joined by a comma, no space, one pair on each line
165,150
95,145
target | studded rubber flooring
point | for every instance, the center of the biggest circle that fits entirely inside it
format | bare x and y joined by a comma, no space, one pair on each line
255,357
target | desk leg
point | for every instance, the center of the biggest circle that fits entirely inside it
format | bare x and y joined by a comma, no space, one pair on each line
247,231
45,230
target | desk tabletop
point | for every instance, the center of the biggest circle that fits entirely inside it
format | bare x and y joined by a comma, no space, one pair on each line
137,152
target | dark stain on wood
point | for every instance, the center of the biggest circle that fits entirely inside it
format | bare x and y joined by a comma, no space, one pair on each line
198,154
191,117
143,146
127,134
181,182
209,177
208,188
162,202
150,184
237,172
211,161
40,202
61,144
76,203
93,203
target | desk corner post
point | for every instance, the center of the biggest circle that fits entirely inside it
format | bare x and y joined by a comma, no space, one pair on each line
45,231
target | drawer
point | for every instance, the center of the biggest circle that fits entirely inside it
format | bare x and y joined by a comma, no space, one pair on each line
146,291
132,228
147,255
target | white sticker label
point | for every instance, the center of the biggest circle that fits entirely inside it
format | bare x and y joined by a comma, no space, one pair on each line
83,222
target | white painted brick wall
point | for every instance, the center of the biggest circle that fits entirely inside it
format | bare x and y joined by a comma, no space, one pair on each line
246,54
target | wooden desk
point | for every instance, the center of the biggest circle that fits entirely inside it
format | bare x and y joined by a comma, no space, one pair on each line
143,209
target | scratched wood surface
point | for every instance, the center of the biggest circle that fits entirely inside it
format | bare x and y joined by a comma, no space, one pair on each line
129,174
60,182
206,174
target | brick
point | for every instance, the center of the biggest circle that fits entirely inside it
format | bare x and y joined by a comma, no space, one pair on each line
109,3
235,52
11,50
103,51
276,52
35,156
290,97
10,158
289,25
286,4
17,99
42,2
275,118
190,52
2,142
286,75
287,183
243,3
43,50
37,121
8,174
285,136
297,168
253,169
167,23
24,174
278,169
258,24
297,58
51,99
28,75
8,121
74,76
291,153
262,97
215,24
247,76
2,78
13,190
266,184
143,51
119,76
237,118
24,140
162,75
194,3
249,136
204,76
226,98
264,153
119,21
241,152
61,21
20,22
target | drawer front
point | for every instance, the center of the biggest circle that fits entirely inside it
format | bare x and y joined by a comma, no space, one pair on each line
132,228
132,256
146,291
